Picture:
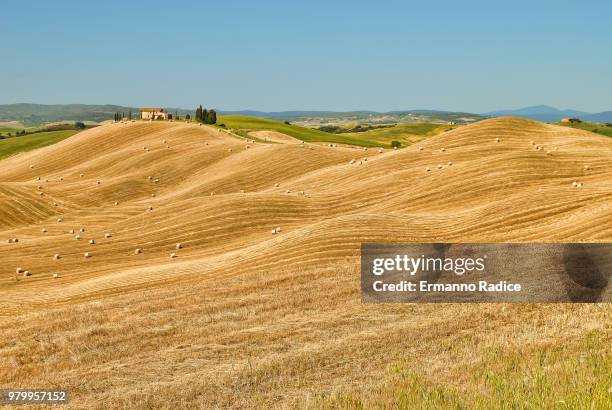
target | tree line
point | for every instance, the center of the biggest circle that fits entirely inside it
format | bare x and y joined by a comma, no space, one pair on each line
205,116
119,116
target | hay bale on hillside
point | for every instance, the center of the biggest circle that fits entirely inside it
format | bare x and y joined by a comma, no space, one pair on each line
586,168
179,246
15,240
229,150
574,184
71,231
10,240
450,163
497,139
420,148
31,166
150,208
273,231
116,203
60,220
439,166
18,271
152,195
427,169
150,178
443,149
41,194
56,257
27,273
87,255
43,230
277,185
137,251
82,230
77,237
173,255
108,235
98,182
352,161
380,150
81,175
278,229
92,241
56,276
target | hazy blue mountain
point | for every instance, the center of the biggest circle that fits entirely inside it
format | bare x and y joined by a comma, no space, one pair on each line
605,116
539,112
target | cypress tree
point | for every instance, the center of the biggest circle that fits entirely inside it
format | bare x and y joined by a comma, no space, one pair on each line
205,116
212,117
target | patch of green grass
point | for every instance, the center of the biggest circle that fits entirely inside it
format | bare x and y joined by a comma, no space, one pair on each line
242,125
572,374
406,133
589,126
14,145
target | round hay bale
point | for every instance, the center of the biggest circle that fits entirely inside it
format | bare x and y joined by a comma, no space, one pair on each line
137,251
56,257
60,220
77,237
150,178
41,193
27,273
150,208
579,185
108,235
442,149
87,255
574,184
71,231
586,168
427,169
15,240
19,270
31,166
380,150
420,148
497,140
56,276
450,163
278,229
179,246
352,161
277,185
82,230
92,241
81,175
43,230
10,240
116,203
173,255
98,182
439,166
152,195
273,231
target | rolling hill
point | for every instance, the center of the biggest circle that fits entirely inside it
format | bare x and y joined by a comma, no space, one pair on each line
242,317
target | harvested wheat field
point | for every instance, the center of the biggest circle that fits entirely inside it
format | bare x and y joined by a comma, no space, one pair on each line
170,267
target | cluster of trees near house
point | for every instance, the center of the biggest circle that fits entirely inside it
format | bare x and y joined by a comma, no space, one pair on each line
205,116
121,115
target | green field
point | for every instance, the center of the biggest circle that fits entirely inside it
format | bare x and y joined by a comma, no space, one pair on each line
406,133
14,145
589,126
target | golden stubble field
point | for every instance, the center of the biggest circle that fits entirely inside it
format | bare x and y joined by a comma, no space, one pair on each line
242,317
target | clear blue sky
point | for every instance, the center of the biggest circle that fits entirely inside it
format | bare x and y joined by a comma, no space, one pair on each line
330,55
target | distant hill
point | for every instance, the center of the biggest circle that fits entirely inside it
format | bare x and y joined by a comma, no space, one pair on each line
36,114
547,113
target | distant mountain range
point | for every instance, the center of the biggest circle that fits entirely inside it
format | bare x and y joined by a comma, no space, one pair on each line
547,113
35,114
